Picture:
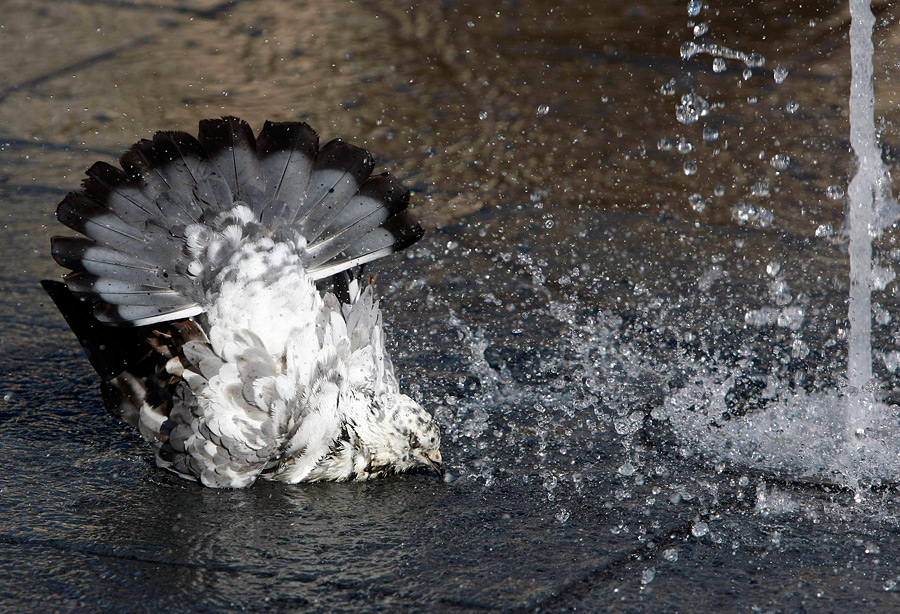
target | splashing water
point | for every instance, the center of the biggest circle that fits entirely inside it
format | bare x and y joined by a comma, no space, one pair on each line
751,60
592,385
843,436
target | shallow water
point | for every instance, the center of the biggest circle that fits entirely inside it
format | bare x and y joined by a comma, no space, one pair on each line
599,352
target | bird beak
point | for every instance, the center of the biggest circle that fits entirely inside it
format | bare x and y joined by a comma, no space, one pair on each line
435,461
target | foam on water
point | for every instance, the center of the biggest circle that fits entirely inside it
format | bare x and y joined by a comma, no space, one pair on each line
797,435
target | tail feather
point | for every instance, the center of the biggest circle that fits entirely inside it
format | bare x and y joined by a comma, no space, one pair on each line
122,292
81,254
112,187
232,149
213,195
156,233
144,315
398,233
179,208
287,151
340,170
378,200
138,165
174,160
96,222
168,167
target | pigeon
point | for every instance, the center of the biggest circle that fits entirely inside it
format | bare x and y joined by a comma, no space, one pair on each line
217,288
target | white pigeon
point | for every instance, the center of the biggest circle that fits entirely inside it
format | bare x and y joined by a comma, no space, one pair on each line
194,294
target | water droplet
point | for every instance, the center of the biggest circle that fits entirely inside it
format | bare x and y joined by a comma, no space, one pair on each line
824,230
701,28
834,192
773,268
780,162
719,65
700,529
562,516
627,469
889,584
747,74
691,108
648,575
689,50
792,107
760,189
744,213
665,144
471,24
543,110
697,202
668,88
685,146
720,190
694,7
710,134
670,554
690,168
483,115
755,60
780,74
751,100
872,548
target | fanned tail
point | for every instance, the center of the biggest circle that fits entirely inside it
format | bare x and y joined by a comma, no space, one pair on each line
156,231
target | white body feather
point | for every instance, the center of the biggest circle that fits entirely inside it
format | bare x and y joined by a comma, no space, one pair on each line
294,369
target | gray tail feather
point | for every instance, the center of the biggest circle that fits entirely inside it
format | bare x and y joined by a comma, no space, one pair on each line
131,263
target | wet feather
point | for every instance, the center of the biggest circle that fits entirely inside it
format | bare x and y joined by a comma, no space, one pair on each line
209,250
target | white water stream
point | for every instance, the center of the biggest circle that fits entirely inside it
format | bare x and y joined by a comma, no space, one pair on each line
867,185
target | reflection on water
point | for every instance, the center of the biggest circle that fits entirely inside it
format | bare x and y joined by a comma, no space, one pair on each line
620,233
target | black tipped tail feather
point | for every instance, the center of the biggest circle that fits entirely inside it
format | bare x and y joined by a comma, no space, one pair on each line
133,265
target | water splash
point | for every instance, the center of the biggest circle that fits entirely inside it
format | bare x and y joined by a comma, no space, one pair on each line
841,435
691,108
692,48
796,435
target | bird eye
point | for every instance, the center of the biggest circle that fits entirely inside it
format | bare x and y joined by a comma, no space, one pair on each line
413,441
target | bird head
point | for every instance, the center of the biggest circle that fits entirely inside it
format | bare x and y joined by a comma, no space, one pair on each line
421,435
410,439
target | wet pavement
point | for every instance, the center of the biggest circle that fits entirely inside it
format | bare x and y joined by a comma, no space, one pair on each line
570,283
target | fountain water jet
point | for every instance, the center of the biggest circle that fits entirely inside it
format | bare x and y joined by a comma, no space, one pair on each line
867,185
